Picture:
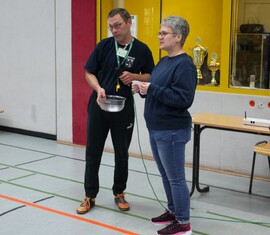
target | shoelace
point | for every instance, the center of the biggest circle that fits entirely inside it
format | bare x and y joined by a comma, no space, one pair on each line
165,214
173,225
121,197
86,202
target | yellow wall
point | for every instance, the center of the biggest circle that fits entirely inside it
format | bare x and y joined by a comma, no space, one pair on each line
208,19
204,17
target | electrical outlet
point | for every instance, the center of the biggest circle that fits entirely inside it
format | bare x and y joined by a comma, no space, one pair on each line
261,105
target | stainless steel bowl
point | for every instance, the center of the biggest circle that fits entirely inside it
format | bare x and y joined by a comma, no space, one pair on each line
112,103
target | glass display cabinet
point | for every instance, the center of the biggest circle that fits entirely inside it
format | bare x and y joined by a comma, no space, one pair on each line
251,61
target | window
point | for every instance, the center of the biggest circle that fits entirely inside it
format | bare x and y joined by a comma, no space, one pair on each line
250,66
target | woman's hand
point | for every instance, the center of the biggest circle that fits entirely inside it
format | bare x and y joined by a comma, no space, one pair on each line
135,86
144,88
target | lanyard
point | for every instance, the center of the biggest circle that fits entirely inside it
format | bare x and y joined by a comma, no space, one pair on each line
117,48
118,58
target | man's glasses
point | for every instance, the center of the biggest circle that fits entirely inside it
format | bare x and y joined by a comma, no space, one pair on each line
116,26
163,34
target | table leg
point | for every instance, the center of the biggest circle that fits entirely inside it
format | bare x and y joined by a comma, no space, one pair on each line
194,167
196,162
198,143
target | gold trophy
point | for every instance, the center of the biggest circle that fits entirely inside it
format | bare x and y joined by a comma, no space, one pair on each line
214,66
198,54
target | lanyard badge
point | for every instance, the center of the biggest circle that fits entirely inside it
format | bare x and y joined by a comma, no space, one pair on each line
121,52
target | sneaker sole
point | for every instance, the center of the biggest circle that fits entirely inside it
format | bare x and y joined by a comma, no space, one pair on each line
180,233
122,209
82,212
161,223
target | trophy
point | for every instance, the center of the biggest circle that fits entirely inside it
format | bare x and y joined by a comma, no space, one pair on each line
198,54
213,66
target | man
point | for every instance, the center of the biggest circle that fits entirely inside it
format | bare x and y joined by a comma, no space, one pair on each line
110,70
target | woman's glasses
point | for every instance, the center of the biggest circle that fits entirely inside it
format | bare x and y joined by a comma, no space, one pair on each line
163,34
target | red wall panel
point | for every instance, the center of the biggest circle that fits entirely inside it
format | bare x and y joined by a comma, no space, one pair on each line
83,42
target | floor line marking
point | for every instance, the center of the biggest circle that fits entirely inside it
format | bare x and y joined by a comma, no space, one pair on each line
68,215
71,180
71,199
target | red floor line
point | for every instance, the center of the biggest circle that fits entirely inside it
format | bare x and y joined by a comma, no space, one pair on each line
68,215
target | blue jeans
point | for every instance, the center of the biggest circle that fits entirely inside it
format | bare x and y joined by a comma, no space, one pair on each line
168,148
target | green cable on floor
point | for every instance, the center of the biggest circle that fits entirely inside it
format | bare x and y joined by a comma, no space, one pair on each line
139,143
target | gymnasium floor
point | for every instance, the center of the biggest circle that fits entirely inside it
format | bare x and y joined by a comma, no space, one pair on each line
41,184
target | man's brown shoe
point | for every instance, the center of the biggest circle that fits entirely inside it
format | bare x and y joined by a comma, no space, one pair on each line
120,201
86,205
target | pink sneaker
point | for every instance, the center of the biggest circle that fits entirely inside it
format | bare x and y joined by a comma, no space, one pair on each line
175,228
165,218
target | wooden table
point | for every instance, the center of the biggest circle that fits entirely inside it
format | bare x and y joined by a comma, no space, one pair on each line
202,121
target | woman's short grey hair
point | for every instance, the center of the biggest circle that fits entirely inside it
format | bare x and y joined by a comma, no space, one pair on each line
178,25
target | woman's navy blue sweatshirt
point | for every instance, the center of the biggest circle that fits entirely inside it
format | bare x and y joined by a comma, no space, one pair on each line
170,93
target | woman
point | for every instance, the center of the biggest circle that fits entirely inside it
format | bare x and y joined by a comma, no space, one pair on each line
169,93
